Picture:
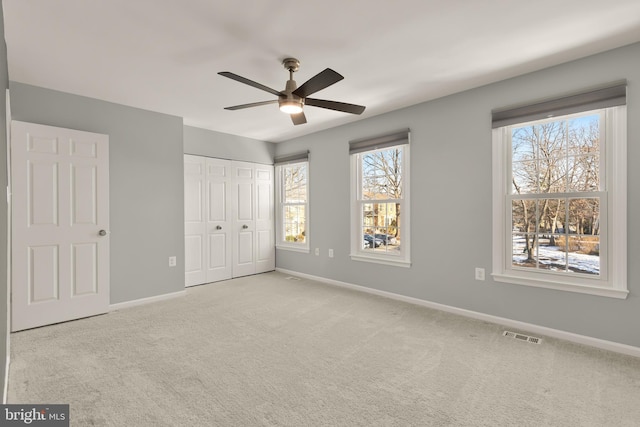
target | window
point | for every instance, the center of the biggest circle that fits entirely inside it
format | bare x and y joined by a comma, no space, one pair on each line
380,199
292,183
560,201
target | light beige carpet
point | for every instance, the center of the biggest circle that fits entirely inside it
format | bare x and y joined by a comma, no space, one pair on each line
267,351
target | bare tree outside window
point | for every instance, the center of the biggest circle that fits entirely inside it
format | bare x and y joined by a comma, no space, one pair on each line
555,203
382,185
294,202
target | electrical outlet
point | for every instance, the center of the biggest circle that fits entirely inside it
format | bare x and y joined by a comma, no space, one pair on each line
317,251
172,261
479,273
330,253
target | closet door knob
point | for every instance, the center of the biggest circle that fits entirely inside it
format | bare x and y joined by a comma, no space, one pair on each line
245,226
102,232
218,227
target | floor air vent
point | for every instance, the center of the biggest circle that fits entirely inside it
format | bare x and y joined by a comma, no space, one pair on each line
522,337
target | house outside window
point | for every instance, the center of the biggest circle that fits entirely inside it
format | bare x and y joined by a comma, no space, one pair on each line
560,200
292,199
380,199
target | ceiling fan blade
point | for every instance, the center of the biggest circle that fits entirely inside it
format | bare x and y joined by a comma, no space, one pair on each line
298,119
318,82
253,104
335,105
248,82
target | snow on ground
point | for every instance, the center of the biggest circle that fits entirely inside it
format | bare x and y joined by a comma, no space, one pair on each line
553,258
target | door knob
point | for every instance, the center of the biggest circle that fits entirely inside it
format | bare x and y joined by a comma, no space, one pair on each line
245,226
102,232
218,227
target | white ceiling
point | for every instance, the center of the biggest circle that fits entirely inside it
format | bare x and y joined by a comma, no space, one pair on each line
164,55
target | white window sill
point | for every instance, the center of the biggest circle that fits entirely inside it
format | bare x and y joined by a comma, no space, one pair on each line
381,260
302,249
562,286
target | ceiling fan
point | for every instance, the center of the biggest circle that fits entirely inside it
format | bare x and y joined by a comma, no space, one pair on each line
292,99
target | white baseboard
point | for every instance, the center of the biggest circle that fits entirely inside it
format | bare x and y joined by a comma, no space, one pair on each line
529,327
142,301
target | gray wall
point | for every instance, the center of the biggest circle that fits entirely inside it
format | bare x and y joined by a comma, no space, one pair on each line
145,179
451,204
4,84
209,143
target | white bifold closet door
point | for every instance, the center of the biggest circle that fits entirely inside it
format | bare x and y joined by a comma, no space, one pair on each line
229,225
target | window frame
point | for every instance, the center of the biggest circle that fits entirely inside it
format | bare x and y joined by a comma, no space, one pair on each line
357,252
281,242
612,281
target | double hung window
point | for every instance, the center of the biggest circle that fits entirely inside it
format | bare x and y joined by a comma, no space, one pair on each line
380,199
560,194
292,199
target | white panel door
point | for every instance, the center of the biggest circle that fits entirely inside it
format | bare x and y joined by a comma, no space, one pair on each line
265,236
195,236
219,223
229,219
243,219
60,223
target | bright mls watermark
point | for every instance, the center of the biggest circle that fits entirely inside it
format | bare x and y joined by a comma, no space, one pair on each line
34,415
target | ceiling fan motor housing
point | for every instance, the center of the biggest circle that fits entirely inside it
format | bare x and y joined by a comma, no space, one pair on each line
288,102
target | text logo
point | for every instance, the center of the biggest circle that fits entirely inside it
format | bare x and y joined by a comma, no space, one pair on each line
34,415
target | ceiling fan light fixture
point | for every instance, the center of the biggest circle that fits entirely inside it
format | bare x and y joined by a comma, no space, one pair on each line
292,99
291,106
